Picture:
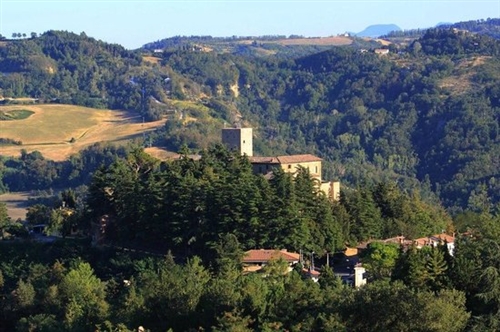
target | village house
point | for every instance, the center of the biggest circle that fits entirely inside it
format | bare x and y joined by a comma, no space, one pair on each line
255,260
435,240
432,241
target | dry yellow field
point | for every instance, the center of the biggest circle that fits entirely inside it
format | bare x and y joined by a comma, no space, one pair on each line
52,127
321,41
16,204
152,59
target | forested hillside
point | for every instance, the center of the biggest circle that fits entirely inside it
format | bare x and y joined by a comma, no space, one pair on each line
68,68
174,233
425,116
403,132
428,113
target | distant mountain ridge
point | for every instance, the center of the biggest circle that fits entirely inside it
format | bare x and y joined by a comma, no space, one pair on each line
377,30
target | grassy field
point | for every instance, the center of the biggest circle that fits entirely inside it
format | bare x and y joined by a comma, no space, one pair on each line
15,115
152,59
58,131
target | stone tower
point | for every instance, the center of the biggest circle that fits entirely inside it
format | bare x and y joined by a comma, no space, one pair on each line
239,139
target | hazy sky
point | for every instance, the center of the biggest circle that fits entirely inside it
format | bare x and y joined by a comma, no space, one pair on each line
133,23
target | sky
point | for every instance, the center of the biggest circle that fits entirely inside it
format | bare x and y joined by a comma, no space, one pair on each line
133,23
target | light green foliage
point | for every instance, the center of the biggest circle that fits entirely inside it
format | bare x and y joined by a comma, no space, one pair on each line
276,268
379,259
24,296
4,218
382,306
444,311
83,297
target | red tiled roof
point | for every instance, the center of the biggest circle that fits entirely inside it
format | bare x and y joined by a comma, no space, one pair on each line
444,237
298,158
435,238
264,255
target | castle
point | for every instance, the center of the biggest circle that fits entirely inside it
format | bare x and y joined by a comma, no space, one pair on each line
241,140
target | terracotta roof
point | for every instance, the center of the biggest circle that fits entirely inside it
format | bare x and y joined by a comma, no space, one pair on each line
264,255
263,160
444,237
351,251
434,239
293,159
298,158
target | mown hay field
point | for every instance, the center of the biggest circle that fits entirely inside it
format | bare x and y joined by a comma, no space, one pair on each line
58,131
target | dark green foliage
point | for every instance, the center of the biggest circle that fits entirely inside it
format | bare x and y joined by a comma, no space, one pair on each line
31,171
489,27
457,43
424,268
377,119
185,205
69,68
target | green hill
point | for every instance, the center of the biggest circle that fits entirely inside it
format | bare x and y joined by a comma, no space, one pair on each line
425,115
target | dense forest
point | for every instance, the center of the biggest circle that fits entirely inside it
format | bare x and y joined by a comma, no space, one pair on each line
425,116
176,232
412,135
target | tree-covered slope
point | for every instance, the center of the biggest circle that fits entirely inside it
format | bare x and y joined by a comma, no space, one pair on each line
426,115
68,68
428,112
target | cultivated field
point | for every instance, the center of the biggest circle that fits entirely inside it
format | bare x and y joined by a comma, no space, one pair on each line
320,41
58,131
